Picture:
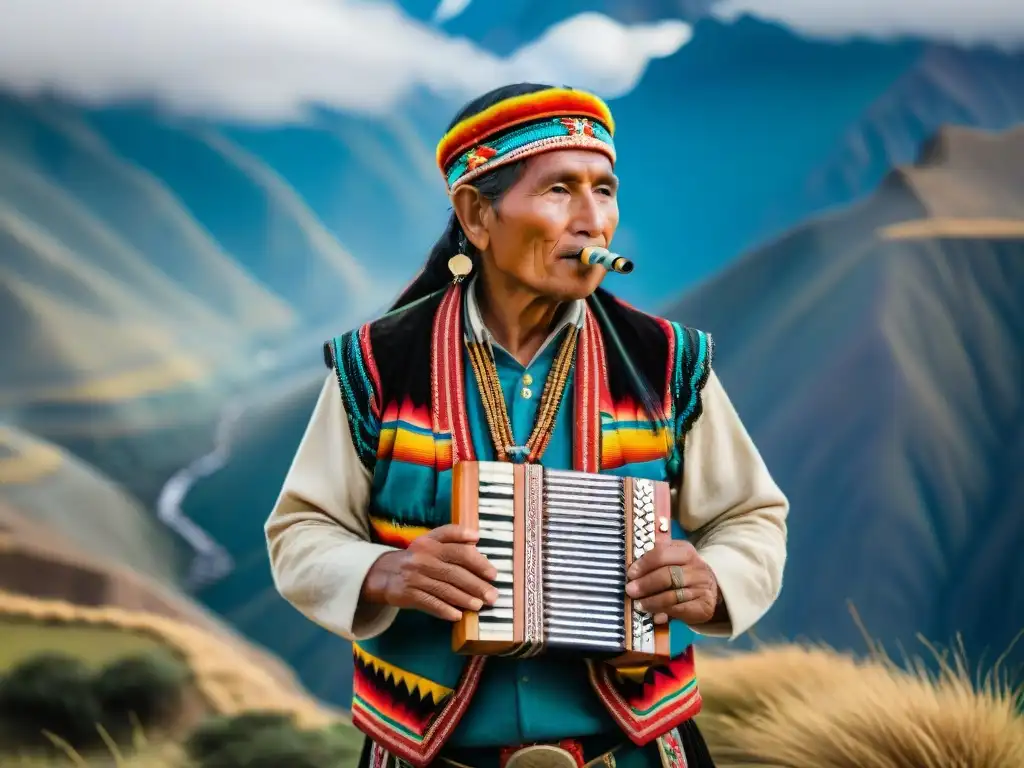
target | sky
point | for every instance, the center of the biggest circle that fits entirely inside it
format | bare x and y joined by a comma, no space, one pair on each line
270,60
963,22
267,60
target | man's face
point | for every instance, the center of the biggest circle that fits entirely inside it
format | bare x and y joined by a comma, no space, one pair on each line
564,200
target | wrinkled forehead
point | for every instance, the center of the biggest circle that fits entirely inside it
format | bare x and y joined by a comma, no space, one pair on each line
529,126
569,166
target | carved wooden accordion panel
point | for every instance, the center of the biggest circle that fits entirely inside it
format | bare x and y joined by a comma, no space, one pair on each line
561,542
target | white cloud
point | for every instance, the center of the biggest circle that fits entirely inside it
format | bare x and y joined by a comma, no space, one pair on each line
963,22
595,52
449,9
268,60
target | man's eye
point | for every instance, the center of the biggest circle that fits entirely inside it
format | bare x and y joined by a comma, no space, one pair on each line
560,188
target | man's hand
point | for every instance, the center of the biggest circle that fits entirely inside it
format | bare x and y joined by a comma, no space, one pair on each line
673,582
441,573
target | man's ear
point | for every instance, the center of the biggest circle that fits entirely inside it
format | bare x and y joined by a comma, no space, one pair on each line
473,211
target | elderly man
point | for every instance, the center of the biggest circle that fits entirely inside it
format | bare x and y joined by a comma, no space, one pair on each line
505,348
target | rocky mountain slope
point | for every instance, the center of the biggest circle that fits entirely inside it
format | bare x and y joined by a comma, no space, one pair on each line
876,355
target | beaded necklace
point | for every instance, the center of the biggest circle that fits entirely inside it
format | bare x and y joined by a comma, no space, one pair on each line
481,358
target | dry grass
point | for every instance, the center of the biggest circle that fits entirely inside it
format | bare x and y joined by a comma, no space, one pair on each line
149,759
807,707
141,754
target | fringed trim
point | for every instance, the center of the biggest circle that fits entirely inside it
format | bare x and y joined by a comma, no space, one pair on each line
700,349
351,357
688,363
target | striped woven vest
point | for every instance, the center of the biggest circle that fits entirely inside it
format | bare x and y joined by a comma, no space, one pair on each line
403,384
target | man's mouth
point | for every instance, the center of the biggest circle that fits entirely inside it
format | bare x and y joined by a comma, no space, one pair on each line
572,254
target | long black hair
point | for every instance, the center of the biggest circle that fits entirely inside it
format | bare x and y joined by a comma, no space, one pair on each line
492,186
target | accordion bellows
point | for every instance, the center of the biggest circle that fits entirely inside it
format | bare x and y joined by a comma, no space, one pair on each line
561,542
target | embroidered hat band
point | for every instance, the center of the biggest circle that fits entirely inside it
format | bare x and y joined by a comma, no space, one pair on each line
522,126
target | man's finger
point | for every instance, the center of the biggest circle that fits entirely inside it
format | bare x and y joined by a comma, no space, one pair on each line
470,558
424,601
462,579
673,553
651,561
454,534
668,600
452,596
659,581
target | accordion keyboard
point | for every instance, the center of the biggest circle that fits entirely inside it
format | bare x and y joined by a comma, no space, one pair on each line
496,516
561,542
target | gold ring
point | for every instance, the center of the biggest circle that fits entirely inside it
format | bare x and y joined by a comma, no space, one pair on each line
676,571
680,595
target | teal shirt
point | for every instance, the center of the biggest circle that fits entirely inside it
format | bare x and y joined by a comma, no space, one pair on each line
538,699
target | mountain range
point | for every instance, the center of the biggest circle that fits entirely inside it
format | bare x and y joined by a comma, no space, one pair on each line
159,274
53,490
196,259
877,363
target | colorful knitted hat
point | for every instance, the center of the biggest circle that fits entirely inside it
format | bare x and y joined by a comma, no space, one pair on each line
522,126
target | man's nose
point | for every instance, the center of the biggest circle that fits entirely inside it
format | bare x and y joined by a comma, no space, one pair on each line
588,215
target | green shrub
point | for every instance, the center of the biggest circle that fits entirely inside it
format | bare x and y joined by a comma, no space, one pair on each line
144,690
218,734
270,740
50,692
57,694
345,740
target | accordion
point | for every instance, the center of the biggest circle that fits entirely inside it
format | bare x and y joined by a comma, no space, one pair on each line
561,542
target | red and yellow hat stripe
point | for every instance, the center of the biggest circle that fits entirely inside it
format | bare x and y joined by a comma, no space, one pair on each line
517,110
